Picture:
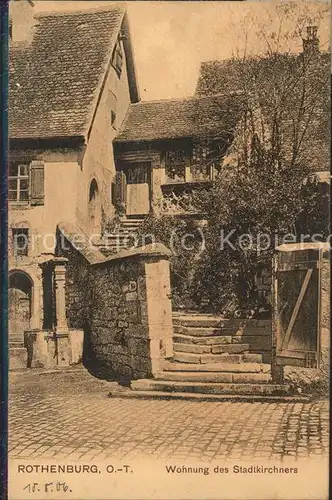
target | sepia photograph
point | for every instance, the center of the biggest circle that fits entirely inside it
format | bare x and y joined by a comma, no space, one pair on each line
168,185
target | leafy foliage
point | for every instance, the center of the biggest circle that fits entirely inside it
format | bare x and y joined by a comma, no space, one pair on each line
184,237
260,196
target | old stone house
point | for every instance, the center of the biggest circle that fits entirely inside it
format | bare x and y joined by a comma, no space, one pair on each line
166,148
72,78
86,152
169,147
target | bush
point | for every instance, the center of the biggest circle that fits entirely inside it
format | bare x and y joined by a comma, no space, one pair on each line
184,238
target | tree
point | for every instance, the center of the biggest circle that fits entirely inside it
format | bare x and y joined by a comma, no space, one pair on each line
261,196
261,191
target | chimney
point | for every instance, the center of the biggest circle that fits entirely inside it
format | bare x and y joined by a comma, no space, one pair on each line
21,21
311,43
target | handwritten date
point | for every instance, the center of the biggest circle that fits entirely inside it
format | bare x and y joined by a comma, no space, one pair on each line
47,487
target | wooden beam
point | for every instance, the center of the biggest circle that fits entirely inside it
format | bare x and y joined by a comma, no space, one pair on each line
296,309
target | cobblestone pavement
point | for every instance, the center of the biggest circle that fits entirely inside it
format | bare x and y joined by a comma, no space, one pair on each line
68,415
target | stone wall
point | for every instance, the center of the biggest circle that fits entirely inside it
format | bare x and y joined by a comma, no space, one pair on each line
258,334
46,349
98,160
130,320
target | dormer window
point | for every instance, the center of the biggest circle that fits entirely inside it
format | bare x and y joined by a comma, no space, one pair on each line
117,58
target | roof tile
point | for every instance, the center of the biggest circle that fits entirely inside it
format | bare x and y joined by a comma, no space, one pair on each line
192,117
54,81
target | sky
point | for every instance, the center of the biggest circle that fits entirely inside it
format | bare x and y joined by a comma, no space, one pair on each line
171,39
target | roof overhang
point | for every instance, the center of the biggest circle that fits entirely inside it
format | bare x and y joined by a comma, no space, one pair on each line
74,142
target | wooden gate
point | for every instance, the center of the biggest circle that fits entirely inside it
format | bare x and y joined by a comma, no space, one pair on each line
296,311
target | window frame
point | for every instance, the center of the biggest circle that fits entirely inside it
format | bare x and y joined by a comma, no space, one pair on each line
18,183
16,232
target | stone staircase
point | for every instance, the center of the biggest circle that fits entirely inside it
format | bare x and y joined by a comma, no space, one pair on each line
18,356
211,361
121,238
204,339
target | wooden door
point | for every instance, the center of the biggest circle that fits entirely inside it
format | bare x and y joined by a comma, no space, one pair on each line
138,176
297,308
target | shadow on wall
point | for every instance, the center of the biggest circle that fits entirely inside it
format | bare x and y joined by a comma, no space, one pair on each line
95,366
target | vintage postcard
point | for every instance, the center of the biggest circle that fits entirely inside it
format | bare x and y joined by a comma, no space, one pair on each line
168,250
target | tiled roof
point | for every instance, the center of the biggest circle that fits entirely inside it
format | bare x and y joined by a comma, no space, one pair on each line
192,117
55,80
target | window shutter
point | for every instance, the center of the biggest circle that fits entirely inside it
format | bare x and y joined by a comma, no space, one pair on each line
37,182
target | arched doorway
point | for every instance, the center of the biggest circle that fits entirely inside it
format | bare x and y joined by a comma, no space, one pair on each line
94,208
20,302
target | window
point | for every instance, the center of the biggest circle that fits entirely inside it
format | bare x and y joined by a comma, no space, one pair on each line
26,182
175,165
117,58
200,168
138,173
20,241
113,118
18,182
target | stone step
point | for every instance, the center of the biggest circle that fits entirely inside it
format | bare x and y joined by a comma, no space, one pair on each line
114,237
210,388
236,398
203,332
221,339
186,357
111,246
18,358
13,345
215,377
133,220
169,366
206,322
16,337
130,226
211,349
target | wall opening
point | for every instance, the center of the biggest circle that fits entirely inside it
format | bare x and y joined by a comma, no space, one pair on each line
94,208
20,302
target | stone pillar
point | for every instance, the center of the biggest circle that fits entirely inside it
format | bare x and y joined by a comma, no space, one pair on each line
157,179
61,331
188,176
60,293
159,311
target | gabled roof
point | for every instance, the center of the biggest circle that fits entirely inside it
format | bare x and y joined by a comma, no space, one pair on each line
55,80
194,117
